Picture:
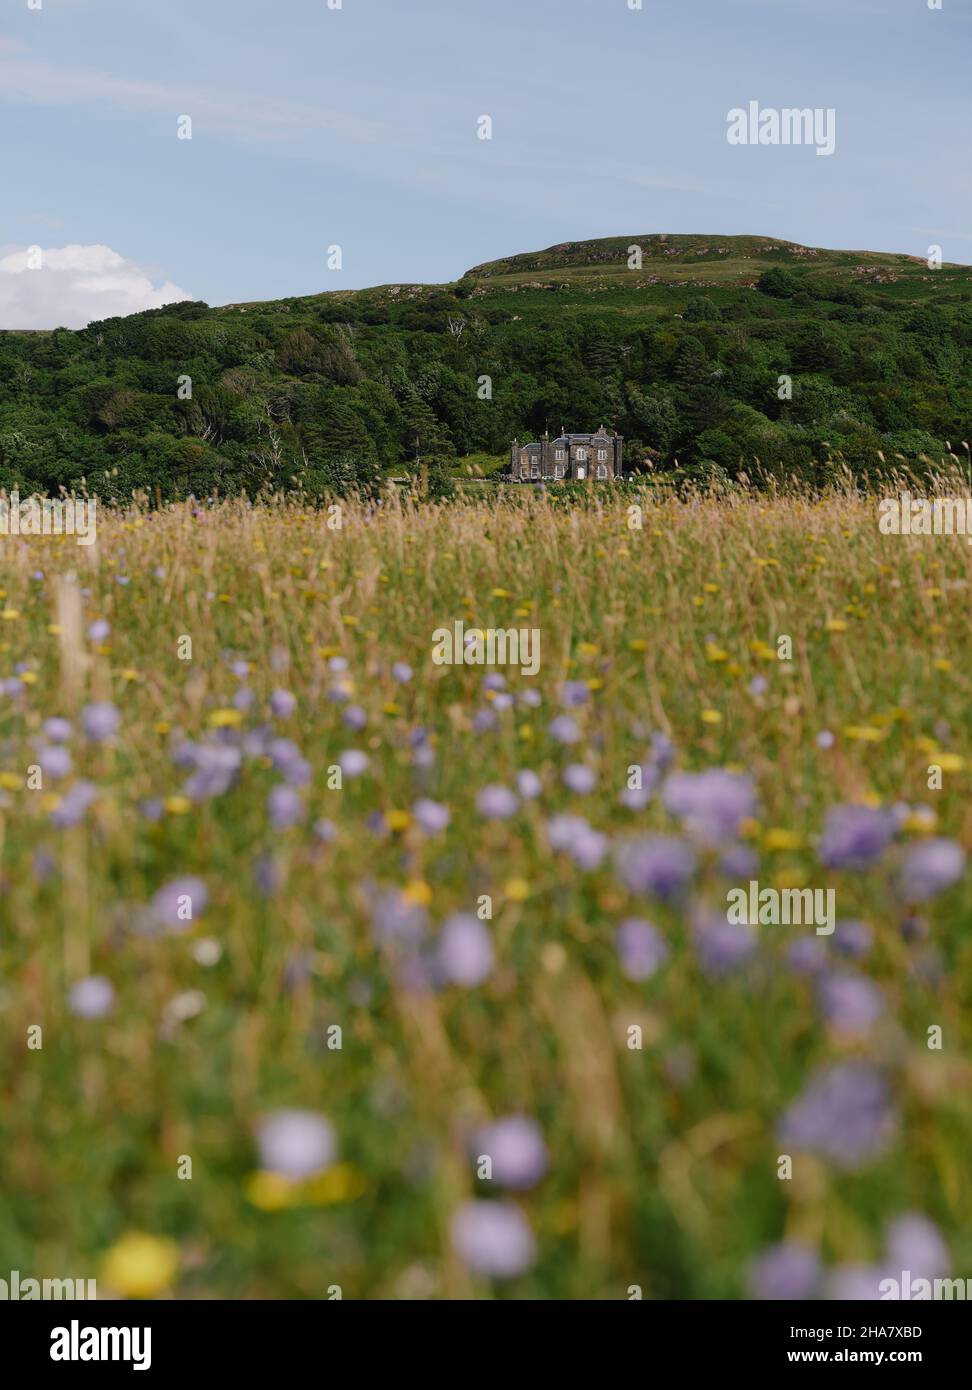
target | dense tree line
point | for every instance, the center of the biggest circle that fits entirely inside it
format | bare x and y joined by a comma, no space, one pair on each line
337,391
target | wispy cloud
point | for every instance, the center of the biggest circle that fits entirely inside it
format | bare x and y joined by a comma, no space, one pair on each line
240,114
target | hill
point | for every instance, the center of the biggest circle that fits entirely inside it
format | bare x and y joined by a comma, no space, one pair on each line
709,352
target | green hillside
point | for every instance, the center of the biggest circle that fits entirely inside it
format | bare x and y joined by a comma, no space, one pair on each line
682,353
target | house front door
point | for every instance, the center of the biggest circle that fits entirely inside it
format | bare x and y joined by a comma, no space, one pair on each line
581,470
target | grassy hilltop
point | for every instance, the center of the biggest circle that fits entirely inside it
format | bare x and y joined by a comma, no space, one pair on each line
683,355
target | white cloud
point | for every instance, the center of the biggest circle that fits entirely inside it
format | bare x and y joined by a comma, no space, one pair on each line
75,285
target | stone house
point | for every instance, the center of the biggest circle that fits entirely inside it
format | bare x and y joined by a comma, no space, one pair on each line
597,456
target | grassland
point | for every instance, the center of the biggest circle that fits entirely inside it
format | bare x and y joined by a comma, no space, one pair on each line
662,1160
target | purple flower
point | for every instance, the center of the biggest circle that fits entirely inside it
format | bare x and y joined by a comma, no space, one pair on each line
738,862
99,630
660,865
849,1002
494,681
493,1238
74,804
531,698
352,762
916,1244
325,831
825,739
179,901
855,837
57,730
296,1143
432,816
807,955
240,669
722,946
484,720
402,672
579,778
465,954
355,718
152,808
395,920
564,729
514,1145
930,867
572,835
573,694
758,685
99,721
496,803
785,1272
284,807
91,997
641,948
852,938
856,1283
845,1114
282,704
54,761
710,804
215,764
503,701
243,698
528,784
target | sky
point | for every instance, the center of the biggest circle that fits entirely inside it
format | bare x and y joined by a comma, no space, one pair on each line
356,123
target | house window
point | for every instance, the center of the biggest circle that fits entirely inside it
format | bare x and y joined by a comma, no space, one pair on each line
601,455
558,455
602,470
558,470
581,455
524,470
535,468
524,458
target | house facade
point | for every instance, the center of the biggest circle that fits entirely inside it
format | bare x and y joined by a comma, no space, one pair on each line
597,456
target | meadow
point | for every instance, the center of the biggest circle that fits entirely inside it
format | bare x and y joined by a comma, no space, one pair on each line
327,971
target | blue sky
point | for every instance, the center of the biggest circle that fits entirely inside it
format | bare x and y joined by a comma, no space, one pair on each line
357,126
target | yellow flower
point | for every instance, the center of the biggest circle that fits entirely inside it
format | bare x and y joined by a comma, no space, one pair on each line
777,838
10,614
398,820
501,593
226,718
391,708
638,644
711,588
29,677
836,625
864,733
711,716
55,629
586,649
417,892
140,1266
12,781
340,1183
516,889
129,675
163,727
178,805
950,762
942,664
271,1191
715,653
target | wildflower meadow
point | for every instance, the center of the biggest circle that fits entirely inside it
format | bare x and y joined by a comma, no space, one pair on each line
331,968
